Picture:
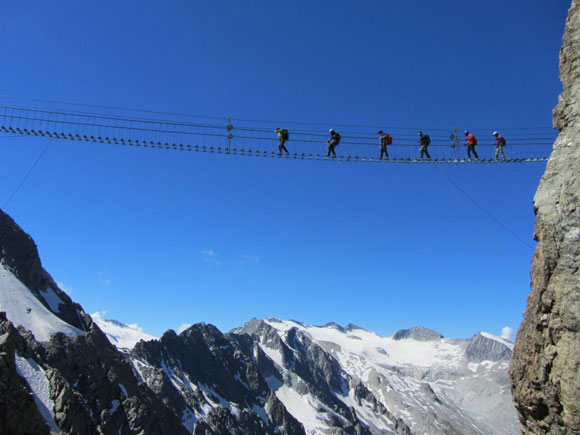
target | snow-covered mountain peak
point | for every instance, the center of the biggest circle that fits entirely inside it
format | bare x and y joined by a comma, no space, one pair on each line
121,335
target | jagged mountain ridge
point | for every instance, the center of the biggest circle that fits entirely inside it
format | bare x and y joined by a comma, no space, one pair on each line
411,378
270,376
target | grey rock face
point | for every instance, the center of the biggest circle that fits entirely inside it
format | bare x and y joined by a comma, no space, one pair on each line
308,368
417,333
93,386
481,348
545,368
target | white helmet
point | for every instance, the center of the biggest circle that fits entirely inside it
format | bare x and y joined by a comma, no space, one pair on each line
331,130
495,133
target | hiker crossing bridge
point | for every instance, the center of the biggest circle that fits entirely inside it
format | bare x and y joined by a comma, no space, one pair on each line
256,138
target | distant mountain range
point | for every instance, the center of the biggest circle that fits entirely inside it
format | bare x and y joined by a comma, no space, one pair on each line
62,371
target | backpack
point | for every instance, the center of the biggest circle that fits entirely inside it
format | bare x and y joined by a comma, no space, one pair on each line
426,139
336,138
389,139
474,140
285,134
503,142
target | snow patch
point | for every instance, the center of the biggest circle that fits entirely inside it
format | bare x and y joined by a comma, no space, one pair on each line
114,406
188,420
274,354
304,408
52,300
23,308
40,387
120,335
238,378
273,382
213,397
261,412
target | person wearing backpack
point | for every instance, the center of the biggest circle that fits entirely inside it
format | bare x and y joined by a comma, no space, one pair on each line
500,142
283,136
471,141
386,139
424,140
333,142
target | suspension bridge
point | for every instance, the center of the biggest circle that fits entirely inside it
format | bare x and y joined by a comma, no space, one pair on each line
256,138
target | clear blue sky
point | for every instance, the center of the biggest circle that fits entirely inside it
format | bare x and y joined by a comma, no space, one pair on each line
163,238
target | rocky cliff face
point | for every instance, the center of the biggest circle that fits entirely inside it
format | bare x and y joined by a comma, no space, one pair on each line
417,333
545,368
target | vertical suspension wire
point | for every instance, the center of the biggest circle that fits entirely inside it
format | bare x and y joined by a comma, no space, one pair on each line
25,117
11,117
50,127
17,119
173,136
71,126
4,117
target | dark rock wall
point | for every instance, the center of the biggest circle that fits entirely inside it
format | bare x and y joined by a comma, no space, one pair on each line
545,367
18,411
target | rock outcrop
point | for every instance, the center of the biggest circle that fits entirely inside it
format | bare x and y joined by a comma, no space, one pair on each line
481,348
418,333
545,368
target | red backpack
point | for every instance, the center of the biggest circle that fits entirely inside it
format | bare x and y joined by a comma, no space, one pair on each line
387,138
